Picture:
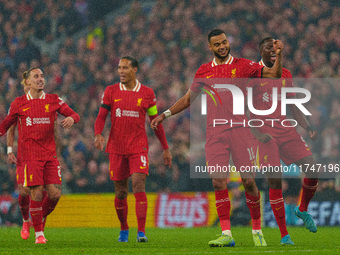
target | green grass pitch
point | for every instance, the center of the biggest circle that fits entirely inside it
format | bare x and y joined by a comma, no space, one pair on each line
168,241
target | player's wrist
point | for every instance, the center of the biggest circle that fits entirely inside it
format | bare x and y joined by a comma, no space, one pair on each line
167,113
9,149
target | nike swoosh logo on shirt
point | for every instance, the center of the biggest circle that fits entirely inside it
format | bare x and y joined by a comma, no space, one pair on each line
116,100
24,110
210,76
262,84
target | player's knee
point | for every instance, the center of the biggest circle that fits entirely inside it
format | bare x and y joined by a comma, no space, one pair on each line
54,193
275,183
219,184
121,194
249,184
24,191
138,186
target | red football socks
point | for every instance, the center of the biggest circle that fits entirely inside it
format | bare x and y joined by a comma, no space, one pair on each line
308,190
36,215
223,208
48,206
141,210
122,211
253,203
278,207
24,204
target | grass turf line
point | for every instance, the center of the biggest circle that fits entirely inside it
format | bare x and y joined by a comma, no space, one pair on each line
168,241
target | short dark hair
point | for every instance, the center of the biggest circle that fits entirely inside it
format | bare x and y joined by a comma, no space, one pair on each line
215,32
133,61
264,40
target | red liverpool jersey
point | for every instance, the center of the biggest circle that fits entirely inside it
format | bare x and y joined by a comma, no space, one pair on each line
128,110
231,71
36,124
262,100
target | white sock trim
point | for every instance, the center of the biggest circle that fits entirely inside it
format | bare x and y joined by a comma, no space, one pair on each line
39,233
255,231
227,233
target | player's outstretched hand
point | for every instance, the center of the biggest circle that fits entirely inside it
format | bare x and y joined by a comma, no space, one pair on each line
11,158
264,137
156,121
313,135
99,141
67,122
167,157
278,46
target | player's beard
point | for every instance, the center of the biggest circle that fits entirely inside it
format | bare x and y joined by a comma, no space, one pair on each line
220,57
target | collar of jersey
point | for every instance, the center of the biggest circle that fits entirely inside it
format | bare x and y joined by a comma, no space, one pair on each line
262,63
135,89
227,62
29,96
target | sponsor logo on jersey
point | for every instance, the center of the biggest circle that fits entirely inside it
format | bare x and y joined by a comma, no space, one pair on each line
47,108
265,97
118,112
41,120
126,113
28,121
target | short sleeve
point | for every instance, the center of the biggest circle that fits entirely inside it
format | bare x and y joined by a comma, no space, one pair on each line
106,98
252,69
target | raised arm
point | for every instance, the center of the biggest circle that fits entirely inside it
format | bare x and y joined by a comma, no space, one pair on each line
276,70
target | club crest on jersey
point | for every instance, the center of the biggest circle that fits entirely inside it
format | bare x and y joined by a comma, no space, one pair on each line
265,158
233,73
47,108
283,83
31,177
139,101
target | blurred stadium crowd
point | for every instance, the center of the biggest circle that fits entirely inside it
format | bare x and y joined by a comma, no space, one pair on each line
169,38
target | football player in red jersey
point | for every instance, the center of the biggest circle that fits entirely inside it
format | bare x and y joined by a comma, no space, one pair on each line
282,142
225,139
35,114
24,199
129,101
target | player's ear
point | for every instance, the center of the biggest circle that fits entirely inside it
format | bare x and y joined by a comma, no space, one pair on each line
210,46
135,69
